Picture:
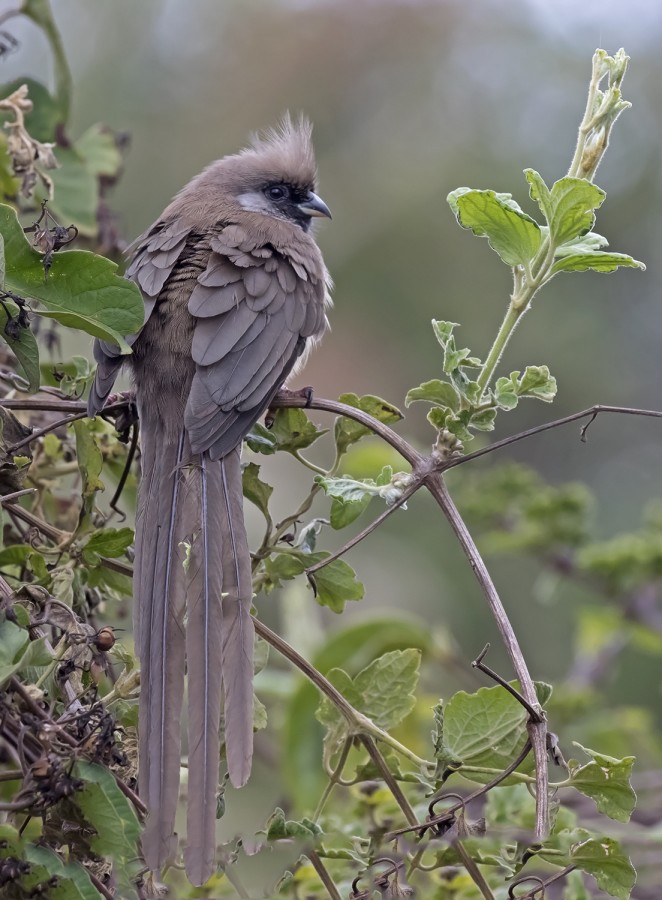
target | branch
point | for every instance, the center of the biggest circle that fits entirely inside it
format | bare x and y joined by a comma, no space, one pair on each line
593,411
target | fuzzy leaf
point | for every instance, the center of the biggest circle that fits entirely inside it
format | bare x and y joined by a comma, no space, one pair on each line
438,392
596,261
513,234
573,201
348,431
292,430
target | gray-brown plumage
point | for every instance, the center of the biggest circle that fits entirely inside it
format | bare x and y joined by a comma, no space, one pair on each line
235,291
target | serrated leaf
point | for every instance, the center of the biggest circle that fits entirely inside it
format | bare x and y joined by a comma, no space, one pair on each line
280,828
604,859
109,812
596,261
336,584
387,687
537,382
606,780
348,431
488,728
439,392
256,490
81,291
511,233
573,201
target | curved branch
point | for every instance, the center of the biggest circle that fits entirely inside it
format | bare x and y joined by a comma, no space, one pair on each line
537,730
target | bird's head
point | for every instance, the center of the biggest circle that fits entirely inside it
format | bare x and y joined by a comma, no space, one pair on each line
276,175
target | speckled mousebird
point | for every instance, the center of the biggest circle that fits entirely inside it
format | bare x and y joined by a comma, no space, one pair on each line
235,292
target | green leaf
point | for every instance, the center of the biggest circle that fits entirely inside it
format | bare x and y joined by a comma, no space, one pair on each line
604,859
18,652
336,584
76,192
573,201
23,345
261,440
81,291
348,431
383,691
539,192
344,512
72,881
596,261
292,430
513,234
111,542
278,828
109,812
255,490
98,148
439,392
587,243
606,780
14,555
350,648
488,729
350,490
90,463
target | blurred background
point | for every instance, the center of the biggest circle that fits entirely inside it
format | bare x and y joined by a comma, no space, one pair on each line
411,99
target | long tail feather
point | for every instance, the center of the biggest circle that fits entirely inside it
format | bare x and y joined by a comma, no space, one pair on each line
238,630
219,649
159,589
203,650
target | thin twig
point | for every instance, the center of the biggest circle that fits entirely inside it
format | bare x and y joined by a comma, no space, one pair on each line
593,411
323,874
535,892
407,493
472,868
40,432
451,810
8,498
389,779
479,664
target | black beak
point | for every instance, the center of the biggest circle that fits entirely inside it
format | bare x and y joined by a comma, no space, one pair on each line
314,206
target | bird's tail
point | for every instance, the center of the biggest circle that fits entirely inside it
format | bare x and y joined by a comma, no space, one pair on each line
192,608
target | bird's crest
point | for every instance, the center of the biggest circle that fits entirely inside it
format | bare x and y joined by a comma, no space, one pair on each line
285,152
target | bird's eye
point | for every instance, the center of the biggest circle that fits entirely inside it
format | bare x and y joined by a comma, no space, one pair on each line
277,192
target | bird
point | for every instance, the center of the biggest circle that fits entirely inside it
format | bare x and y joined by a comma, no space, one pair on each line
236,294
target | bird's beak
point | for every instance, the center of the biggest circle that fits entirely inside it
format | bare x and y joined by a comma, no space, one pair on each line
314,206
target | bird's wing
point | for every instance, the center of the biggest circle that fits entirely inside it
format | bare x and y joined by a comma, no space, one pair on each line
155,254
255,308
